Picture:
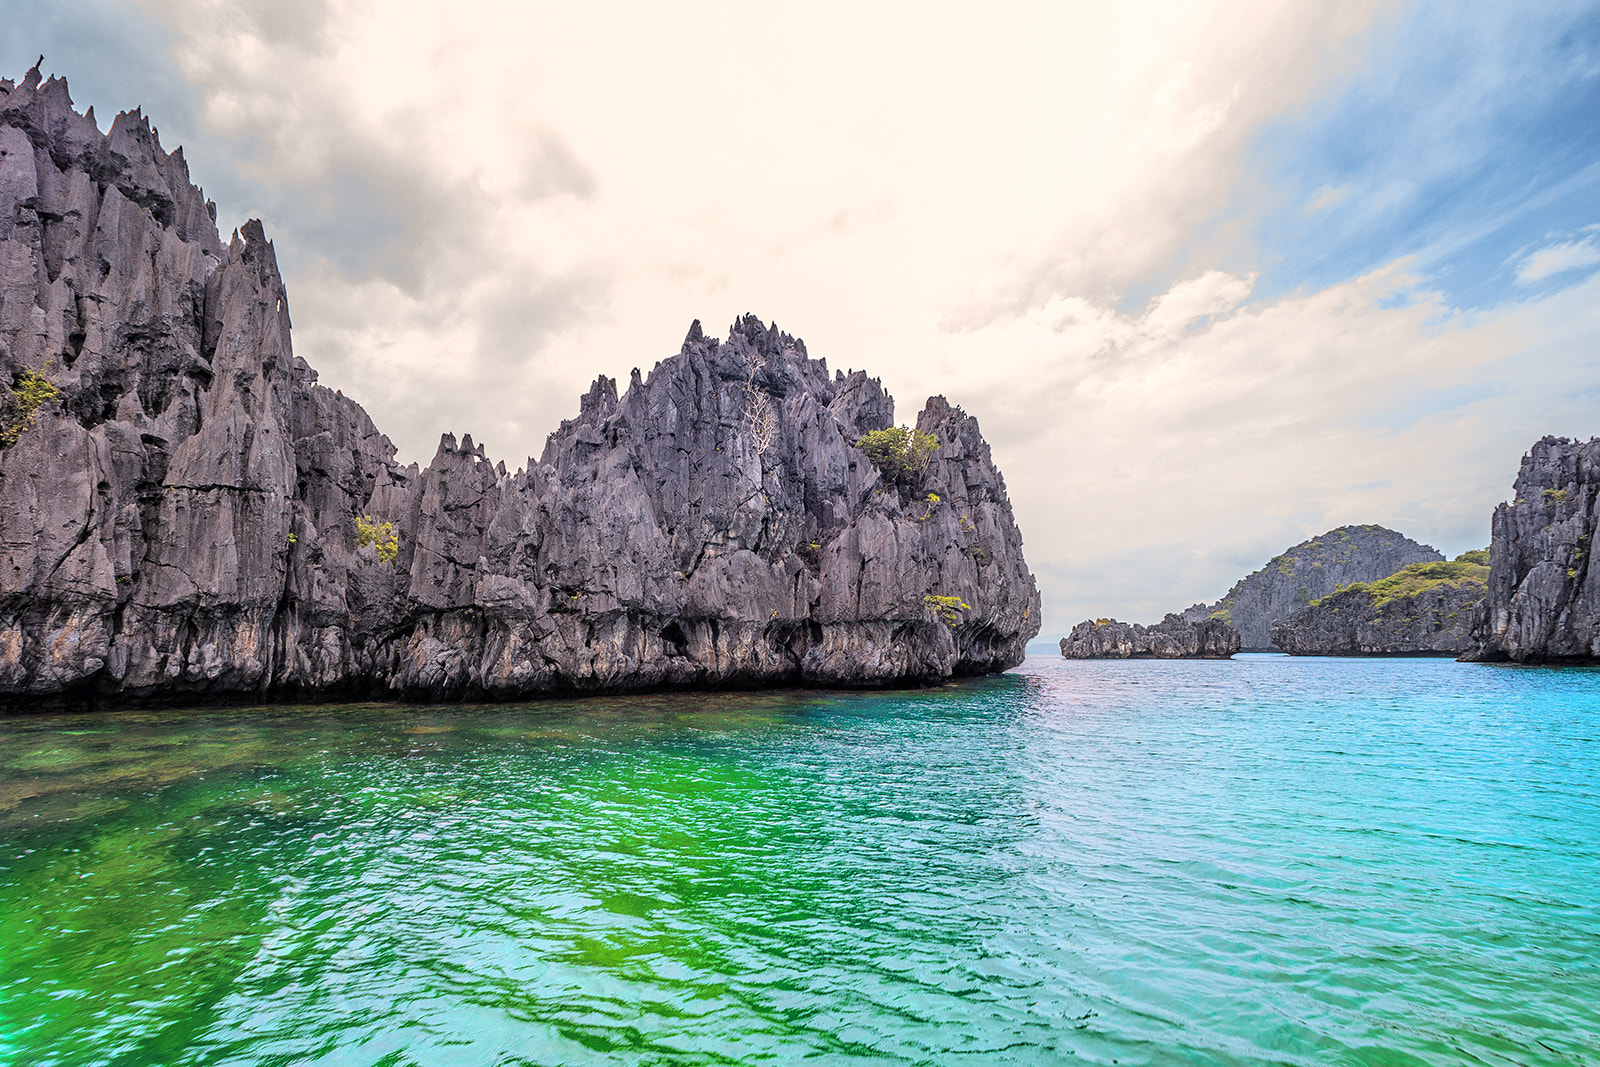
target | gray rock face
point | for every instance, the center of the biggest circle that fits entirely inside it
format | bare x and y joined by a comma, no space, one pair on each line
183,525
1543,603
1171,638
1307,572
1435,621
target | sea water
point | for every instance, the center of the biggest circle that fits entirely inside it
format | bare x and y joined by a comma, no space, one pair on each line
1262,861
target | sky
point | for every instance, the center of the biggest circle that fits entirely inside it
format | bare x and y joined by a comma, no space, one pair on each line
1213,277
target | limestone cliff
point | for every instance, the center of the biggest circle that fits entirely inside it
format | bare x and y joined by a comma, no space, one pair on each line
1543,602
183,524
1171,638
1421,609
1307,572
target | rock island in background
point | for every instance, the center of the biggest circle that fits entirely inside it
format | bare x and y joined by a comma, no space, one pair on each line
1172,638
1245,619
1421,609
1308,571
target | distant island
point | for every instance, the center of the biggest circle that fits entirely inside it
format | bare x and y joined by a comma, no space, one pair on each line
1421,609
188,515
1268,597
1530,597
1312,569
1172,638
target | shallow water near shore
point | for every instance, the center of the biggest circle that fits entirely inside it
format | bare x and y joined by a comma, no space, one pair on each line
1267,860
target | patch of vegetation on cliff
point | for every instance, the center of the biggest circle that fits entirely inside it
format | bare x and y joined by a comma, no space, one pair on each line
1418,578
19,405
1480,556
898,450
383,534
948,608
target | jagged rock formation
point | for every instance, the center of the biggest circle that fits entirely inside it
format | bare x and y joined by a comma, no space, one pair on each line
1171,638
1308,571
183,525
1543,603
1422,609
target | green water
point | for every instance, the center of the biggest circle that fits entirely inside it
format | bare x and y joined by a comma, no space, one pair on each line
1261,861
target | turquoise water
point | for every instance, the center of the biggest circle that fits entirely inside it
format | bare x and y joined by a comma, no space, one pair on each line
1260,861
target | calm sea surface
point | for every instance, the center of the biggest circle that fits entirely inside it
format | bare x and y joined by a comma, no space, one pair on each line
1269,860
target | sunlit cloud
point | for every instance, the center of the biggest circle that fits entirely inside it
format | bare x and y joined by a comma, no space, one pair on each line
1559,258
1213,276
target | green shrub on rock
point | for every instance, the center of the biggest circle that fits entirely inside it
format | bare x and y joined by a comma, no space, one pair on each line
383,534
898,449
20,404
1416,579
948,608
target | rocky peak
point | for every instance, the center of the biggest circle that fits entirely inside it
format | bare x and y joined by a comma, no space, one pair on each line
200,518
1314,568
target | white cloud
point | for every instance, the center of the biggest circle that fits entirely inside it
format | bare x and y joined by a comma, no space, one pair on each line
485,205
1326,198
1155,458
1556,259
861,173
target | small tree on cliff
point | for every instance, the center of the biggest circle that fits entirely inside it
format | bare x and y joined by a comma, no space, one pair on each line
948,608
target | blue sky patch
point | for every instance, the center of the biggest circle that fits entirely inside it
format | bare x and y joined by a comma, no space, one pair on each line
1469,136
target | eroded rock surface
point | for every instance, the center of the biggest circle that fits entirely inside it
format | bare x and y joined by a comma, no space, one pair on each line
182,526
1172,638
1543,603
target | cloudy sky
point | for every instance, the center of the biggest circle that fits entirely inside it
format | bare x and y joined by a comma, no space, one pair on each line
1214,277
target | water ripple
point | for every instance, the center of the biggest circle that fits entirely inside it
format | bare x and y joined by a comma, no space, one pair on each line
1268,861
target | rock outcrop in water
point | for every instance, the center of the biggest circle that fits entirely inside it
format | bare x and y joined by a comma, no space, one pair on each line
1171,638
1307,572
1422,609
1543,602
183,525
